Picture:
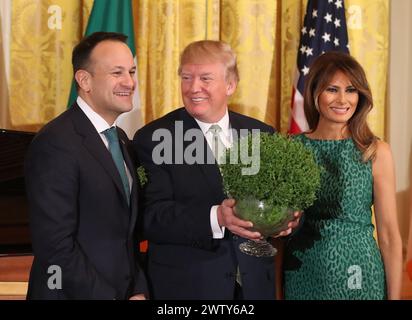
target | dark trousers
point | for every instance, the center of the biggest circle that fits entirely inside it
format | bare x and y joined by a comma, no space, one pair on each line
238,294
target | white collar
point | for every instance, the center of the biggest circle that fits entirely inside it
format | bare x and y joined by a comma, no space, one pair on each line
98,122
223,123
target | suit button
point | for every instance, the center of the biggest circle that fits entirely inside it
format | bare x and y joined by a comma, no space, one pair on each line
235,238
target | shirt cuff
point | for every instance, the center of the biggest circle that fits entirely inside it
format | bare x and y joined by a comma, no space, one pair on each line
218,232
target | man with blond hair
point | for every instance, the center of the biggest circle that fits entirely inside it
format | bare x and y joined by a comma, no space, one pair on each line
193,233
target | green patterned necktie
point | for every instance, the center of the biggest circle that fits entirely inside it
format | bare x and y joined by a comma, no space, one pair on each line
218,147
114,148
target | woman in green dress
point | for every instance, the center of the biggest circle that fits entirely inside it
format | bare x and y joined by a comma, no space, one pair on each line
334,254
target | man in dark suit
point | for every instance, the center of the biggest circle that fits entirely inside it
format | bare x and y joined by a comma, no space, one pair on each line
82,187
192,230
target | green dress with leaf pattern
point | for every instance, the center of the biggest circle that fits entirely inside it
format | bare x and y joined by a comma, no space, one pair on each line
334,254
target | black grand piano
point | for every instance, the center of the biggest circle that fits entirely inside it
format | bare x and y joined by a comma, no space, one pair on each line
14,221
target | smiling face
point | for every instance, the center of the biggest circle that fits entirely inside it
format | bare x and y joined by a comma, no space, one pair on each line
338,101
205,90
108,84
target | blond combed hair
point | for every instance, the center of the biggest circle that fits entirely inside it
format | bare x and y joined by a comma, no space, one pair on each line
211,51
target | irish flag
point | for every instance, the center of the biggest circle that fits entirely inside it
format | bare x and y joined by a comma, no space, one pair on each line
115,16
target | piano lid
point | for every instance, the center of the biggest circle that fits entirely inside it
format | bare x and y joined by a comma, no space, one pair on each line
14,219
13,148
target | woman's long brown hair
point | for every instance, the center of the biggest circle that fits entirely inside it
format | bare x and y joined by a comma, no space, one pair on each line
321,73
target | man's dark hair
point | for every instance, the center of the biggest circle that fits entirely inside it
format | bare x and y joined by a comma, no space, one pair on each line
81,52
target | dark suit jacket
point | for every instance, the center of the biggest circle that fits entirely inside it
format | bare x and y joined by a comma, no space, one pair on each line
79,217
184,261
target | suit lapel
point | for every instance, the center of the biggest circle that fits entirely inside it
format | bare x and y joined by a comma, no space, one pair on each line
236,124
132,170
210,171
94,144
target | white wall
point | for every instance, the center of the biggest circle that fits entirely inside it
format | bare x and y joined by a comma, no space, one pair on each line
399,114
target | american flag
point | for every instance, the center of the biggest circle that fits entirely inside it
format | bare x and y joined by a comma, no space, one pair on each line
324,29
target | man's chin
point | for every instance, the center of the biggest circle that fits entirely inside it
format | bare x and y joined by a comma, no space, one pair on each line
126,108
197,110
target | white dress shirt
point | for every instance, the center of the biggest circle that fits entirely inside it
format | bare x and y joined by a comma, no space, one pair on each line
100,125
226,137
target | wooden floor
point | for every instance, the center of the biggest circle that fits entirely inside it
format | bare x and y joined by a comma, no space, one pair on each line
14,276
